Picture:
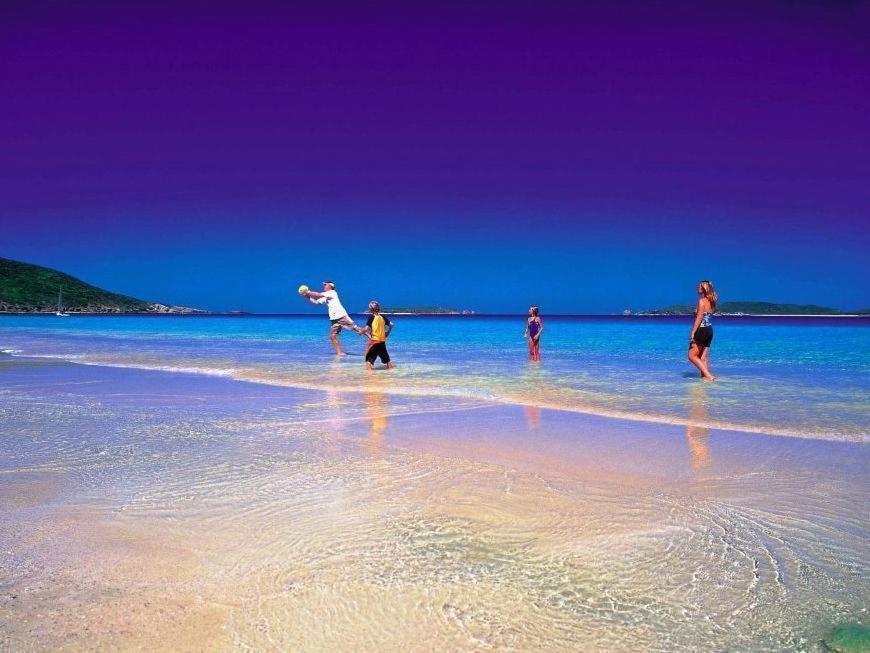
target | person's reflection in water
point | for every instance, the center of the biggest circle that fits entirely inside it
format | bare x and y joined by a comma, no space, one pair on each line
377,405
533,417
333,403
698,436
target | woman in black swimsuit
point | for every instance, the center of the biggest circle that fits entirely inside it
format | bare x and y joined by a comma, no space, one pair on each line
701,335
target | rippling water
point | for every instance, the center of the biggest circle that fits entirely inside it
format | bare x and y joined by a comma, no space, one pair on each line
176,511
783,376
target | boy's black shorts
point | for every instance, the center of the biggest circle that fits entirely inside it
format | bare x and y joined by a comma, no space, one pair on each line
377,349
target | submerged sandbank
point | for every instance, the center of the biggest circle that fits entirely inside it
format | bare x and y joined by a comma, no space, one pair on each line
186,512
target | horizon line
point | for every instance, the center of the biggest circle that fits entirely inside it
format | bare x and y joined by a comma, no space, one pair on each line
204,313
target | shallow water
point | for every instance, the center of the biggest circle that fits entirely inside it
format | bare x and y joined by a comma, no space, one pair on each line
784,376
183,512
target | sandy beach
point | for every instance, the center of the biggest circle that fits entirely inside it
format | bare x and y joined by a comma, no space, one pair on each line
143,510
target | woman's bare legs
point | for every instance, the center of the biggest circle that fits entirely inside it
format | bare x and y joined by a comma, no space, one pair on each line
706,357
696,357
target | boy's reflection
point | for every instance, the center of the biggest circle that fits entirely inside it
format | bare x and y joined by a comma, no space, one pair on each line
377,405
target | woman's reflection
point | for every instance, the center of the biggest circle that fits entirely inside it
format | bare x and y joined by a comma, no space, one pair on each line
696,434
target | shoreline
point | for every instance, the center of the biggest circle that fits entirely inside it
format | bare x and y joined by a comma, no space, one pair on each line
240,376
429,419
190,511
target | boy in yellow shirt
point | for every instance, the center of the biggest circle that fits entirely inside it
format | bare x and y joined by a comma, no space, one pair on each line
378,329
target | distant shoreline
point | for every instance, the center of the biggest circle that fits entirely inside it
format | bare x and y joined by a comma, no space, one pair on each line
751,315
463,315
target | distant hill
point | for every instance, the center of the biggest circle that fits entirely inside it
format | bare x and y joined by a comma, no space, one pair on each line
27,288
754,308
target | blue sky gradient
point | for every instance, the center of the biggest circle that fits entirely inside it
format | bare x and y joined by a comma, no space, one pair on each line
584,158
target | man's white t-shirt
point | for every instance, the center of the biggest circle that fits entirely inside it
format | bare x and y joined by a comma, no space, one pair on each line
336,310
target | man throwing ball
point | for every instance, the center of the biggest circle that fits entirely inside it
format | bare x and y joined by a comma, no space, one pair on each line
337,315
378,329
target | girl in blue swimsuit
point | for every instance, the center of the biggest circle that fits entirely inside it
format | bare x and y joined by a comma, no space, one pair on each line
701,335
534,329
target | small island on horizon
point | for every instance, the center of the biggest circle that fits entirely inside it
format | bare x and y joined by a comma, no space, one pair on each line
759,309
426,310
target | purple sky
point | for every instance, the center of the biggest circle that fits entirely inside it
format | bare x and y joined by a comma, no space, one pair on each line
584,158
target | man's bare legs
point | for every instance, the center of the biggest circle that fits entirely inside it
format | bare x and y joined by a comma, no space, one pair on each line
333,337
335,343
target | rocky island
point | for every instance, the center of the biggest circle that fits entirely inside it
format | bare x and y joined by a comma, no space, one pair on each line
28,288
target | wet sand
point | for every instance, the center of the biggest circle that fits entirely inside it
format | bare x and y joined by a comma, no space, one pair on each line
153,511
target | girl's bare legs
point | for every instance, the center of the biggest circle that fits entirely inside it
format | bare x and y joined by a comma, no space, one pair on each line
537,346
696,357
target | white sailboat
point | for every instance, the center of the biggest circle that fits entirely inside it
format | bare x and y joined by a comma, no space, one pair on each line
60,312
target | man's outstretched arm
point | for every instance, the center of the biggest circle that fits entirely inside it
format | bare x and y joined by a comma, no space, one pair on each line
315,297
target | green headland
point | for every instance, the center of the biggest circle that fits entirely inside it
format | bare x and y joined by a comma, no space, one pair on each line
27,288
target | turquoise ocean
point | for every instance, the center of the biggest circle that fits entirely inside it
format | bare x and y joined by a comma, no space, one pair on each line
803,377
